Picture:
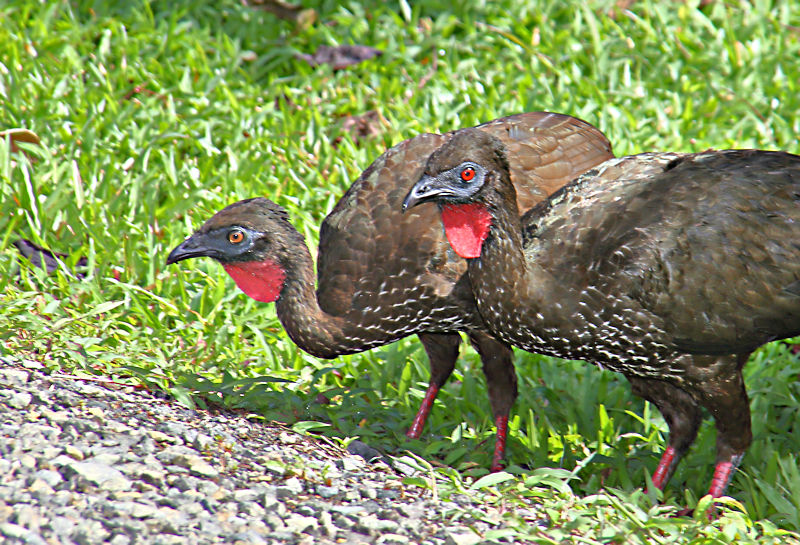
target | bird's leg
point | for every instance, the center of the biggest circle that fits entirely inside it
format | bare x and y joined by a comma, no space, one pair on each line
726,399
442,350
723,473
682,415
501,381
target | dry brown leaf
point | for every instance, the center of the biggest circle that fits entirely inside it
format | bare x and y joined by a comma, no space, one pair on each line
20,135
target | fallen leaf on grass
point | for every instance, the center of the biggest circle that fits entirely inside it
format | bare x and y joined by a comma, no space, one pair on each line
364,126
19,135
340,56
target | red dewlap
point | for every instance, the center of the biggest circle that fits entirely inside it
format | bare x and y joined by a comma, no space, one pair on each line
466,227
261,280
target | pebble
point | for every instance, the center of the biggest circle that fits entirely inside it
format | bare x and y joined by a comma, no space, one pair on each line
85,464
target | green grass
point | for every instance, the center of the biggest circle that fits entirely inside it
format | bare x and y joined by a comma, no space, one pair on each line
154,115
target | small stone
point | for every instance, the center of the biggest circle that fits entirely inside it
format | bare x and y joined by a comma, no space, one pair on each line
392,539
145,447
245,495
101,475
352,511
61,526
327,491
175,429
183,483
291,487
143,510
118,427
27,516
40,489
119,539
405,469
462,538
16,377
60,461
299,524
192,508
368,493
352,495
16,531
52,478
62,498
107,458
160,436
351,463
90,532
202,441
74,452
200,467
19,400
207,488
27,461
326,524
387,494
146,473
55,417
370,524
342,522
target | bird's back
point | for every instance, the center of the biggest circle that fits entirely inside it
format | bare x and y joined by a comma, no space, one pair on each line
375,259
704,247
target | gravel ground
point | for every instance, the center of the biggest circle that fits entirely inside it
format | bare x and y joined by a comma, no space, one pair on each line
86,462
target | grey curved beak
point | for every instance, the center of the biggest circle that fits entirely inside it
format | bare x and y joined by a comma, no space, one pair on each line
425,190
188,249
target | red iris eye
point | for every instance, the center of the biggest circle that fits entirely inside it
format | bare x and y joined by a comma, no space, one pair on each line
468,174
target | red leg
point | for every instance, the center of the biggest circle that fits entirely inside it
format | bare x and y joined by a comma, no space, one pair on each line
682,415
422,414
500,445
723,473
666,466
501,380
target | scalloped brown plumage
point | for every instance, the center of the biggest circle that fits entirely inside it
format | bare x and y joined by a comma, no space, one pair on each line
670,268
384,275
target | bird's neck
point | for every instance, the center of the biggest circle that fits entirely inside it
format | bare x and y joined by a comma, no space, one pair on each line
312,329
506,285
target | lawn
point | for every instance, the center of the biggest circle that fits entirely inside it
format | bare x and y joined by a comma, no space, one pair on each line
153,115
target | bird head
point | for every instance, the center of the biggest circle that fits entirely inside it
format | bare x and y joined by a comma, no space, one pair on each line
457,177
246,238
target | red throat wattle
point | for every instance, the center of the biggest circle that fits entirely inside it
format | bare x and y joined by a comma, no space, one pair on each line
261,280
466,227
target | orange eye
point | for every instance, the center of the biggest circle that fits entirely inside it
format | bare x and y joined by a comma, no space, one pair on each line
468,174
235,237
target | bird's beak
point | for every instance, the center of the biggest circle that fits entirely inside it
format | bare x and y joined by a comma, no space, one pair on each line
425,190
189,248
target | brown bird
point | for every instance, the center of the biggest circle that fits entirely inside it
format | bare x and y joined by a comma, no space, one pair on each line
383,275
670,268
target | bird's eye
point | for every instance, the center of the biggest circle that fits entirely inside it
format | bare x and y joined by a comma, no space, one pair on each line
467,174
235,236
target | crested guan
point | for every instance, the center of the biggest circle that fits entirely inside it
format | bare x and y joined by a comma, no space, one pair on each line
670,268
383,275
